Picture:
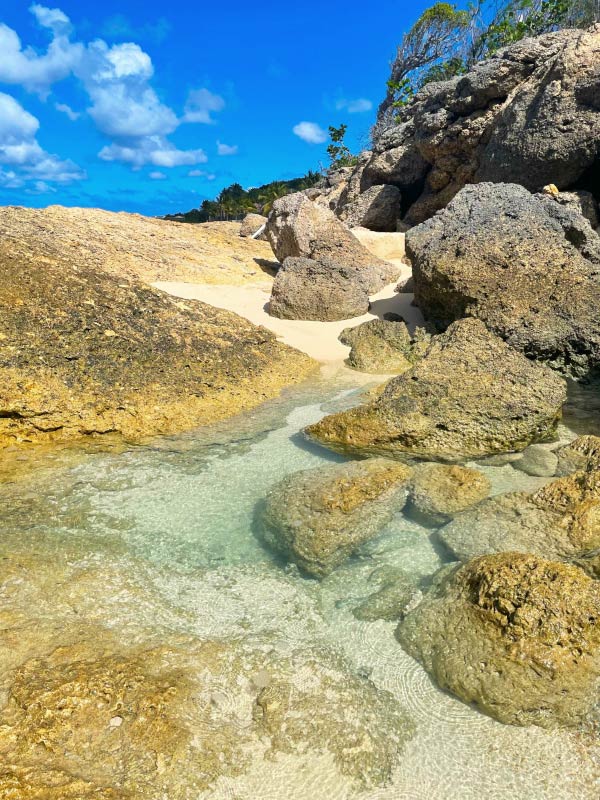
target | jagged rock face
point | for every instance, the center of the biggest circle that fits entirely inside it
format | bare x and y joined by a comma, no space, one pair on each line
251,224
319,517
438,492
299,228
381,346
317,290
530,114
513,634
528,267
84,353
581,454
470,395
377,209
560,521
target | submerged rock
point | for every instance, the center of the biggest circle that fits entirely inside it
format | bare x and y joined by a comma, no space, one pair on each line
538,461
500,254
390,602
471,395
319,517
439,492
317,290
383,346
559,521
515,635
299,228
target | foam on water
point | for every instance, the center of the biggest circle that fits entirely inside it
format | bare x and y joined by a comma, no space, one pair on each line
167,531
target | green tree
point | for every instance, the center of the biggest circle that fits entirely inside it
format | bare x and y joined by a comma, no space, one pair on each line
337,150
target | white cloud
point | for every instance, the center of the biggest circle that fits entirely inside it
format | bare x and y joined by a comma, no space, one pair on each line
358,106
41,187
153,150
36,72
157,176
310,132
200,173
227,149
201,104
20,149
65,109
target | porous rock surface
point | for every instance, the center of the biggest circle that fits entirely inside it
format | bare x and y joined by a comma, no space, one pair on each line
471,395
317,290
438,492
377,209
83,352
513,634
299,228
501,254
383,346
319,517
251,224
529,114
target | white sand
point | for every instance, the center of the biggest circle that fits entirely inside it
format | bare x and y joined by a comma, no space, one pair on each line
317,339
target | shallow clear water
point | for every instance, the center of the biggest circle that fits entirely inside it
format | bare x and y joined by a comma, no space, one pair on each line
166,536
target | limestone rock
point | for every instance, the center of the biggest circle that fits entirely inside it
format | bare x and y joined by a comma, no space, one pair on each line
439,492
317,290
538,461
85,353
298,228
377,209
560,521
319,517
381,346
581,454
496,253
390,602
251,224
471,395
515,635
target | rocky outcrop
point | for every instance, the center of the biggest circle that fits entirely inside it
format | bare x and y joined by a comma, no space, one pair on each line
581,454
299,228
438,492
85,353
470,395
381,346
528,267
377,209
319,517
251,224
559,521
515,635
530,114
317,290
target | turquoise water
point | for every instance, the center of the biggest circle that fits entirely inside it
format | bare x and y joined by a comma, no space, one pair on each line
160,540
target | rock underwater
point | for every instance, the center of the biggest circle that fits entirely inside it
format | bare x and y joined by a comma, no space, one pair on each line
513,634
470,395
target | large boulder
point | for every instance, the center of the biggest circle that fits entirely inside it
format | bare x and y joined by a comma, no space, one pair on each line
471,395
501,254
438,492
317,290
530,114
377,209
299,228
384,346
560,521
514,634
319,517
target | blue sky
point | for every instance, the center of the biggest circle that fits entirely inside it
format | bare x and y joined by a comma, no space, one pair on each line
151,107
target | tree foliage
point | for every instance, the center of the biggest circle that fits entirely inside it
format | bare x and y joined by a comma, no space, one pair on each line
337,150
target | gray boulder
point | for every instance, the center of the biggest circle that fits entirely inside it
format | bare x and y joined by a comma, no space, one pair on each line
251,224
513,634
501,254
319,517
317,290
471,395
299,228
377,209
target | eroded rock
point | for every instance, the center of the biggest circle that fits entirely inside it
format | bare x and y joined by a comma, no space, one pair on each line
513,634
384,346
438,492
